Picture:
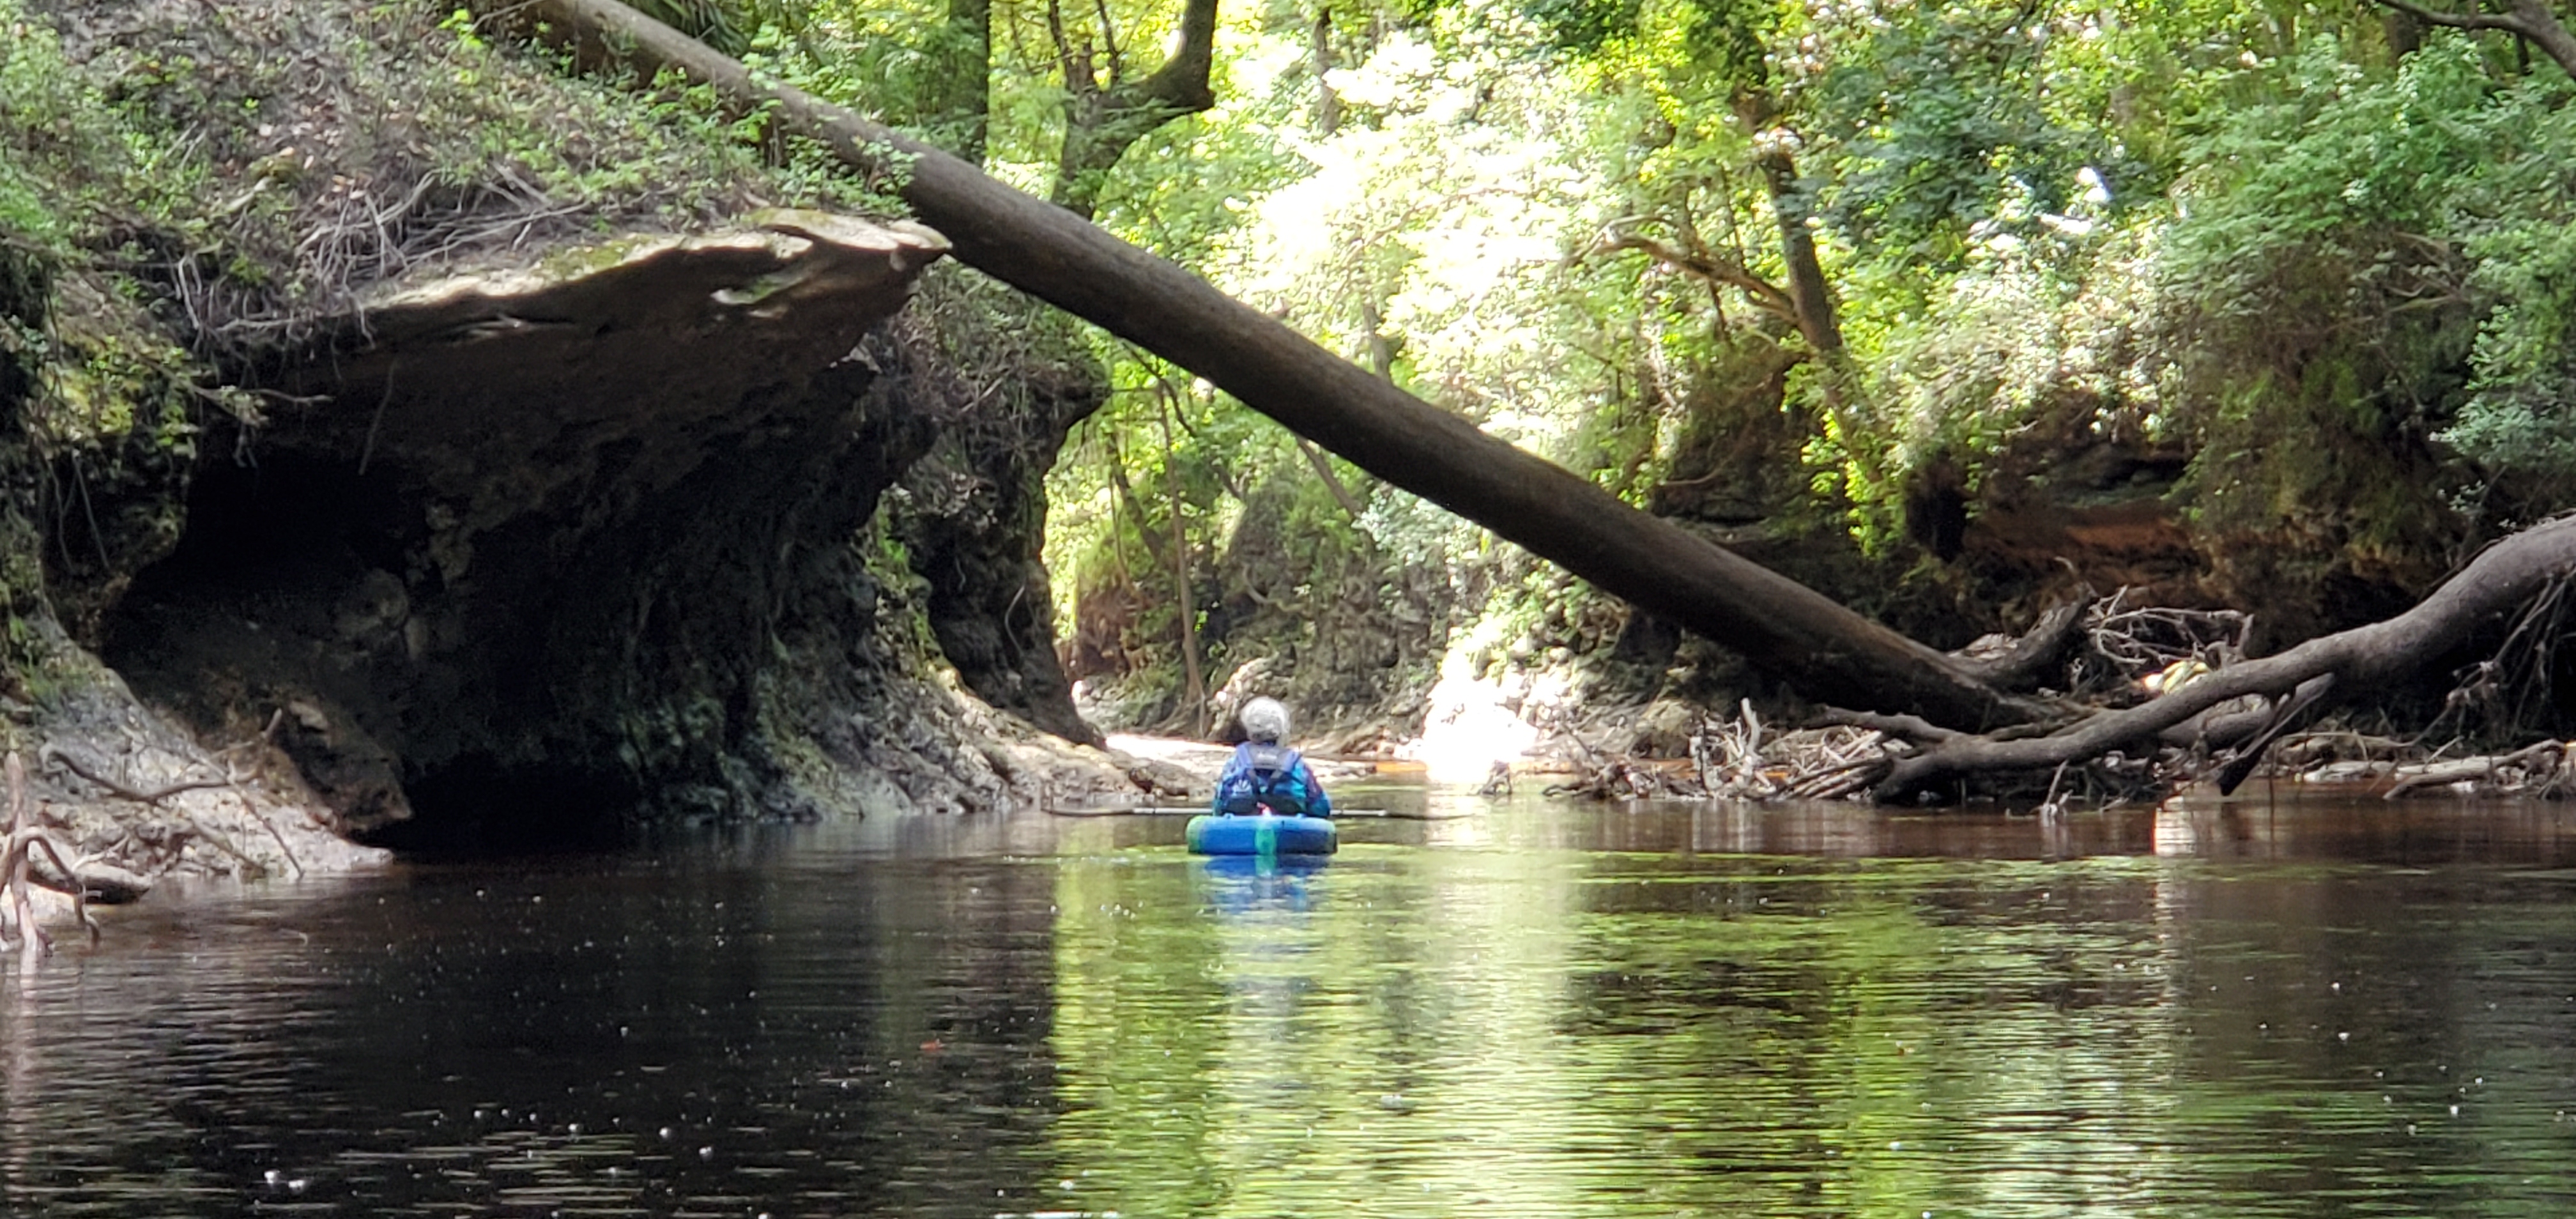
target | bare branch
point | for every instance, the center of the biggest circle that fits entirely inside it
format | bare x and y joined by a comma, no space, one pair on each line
1904,727
1712,269
1333,483
153,797
2529,20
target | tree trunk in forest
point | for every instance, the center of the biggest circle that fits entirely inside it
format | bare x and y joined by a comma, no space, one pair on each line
1789,630
963,104
1319,50
1101,124
1791,208
1193,683
1127,502
2404,31
1807,290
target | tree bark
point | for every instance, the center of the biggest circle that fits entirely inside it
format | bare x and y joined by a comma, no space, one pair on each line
1789,630
1811,301
1319,57
1807,289
2043,647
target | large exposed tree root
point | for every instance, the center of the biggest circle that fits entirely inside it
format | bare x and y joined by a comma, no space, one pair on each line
2244,707
2157,696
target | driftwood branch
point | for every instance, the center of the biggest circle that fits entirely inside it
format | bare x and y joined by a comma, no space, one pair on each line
27,841
88,879
36,855
1903,727
2286,714
2472,770
154,797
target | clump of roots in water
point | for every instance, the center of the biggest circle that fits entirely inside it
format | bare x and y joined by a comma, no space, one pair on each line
2126,654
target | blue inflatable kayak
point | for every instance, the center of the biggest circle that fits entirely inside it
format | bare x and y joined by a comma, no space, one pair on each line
1261,835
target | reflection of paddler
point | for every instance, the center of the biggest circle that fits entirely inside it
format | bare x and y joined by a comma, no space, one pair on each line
1245,884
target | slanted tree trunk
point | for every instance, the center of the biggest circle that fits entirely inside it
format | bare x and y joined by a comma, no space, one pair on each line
962,106
1808,293
1193,684
1319,58
1811,301
1102,122
1826,650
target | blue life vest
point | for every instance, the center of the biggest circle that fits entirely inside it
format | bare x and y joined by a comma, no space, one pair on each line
1273,778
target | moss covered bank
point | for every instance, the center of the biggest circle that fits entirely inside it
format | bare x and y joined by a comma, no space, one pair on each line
409,442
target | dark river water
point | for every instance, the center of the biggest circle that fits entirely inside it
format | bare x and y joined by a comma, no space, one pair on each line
1545,1009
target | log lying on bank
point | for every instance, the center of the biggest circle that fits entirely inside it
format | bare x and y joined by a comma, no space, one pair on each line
2540,769
1829,652
2295,685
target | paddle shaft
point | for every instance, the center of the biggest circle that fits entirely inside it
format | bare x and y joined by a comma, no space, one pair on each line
1192,810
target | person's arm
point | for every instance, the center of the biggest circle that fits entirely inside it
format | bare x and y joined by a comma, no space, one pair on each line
1322,804
1233,767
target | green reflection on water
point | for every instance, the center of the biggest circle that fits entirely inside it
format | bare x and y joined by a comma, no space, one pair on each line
1440,1032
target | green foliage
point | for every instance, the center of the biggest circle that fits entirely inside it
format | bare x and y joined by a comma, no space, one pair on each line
65,160
2343,156
1937,124
917,66
1584,26
2325,284
2519,421
364,142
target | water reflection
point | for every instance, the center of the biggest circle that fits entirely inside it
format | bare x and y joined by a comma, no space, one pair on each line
2241,1008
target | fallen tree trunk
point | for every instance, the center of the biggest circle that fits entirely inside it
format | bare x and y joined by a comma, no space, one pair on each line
1825,650
2471,605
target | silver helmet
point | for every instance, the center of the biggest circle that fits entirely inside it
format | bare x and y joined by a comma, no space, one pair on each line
1265,720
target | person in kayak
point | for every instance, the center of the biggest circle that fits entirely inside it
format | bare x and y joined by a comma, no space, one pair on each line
1265,775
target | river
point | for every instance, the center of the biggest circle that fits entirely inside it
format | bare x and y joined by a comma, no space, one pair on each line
2312,1008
